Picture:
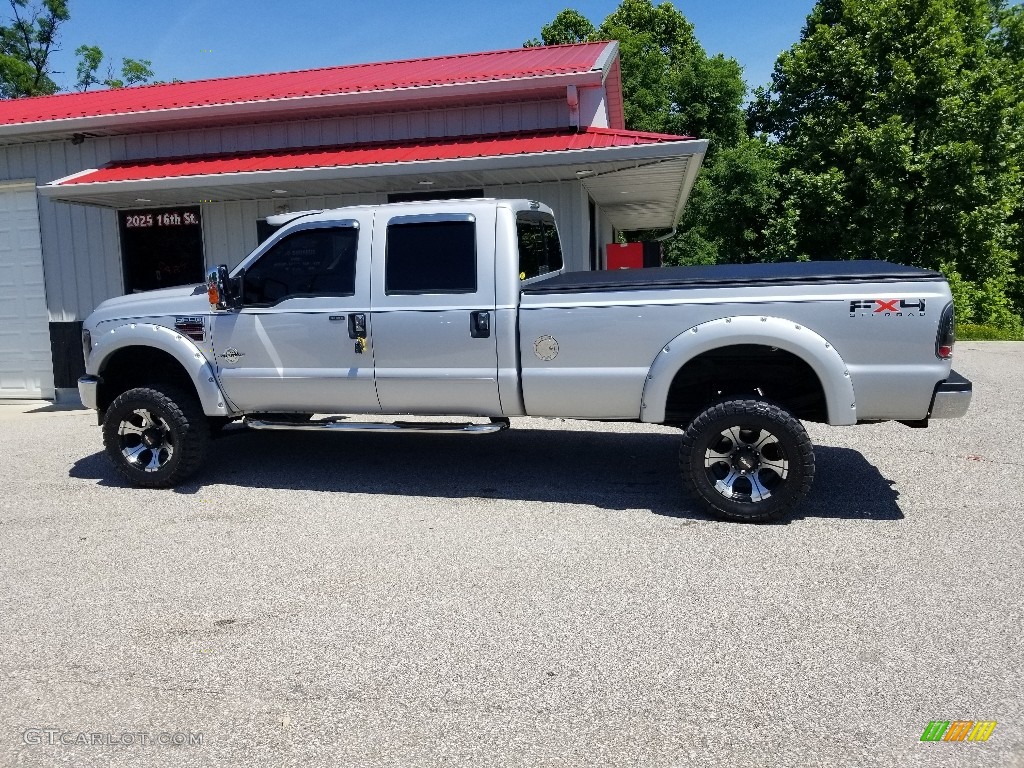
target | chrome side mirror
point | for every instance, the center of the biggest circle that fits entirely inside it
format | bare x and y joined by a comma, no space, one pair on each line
217,288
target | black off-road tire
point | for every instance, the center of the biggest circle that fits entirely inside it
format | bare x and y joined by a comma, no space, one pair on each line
156,436
746,460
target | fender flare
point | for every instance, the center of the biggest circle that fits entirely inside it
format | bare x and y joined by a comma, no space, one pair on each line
180,347
792,337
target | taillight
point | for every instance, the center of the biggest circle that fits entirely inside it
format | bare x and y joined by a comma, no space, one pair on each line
946,336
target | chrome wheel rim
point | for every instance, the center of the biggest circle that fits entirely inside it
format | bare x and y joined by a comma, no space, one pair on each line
145,440
746,463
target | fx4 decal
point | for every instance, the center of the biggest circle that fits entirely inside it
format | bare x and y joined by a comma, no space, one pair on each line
887,307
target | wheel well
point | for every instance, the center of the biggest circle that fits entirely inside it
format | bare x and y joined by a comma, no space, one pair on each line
743,370
140,366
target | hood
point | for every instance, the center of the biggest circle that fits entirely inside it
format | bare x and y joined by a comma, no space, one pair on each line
183,300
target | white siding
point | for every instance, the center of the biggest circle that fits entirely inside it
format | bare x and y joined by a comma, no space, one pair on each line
25,366
81,257
593,107
395,126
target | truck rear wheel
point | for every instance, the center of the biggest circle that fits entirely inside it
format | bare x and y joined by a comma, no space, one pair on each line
155,436
746,460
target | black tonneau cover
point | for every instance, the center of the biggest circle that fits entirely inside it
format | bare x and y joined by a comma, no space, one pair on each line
725,275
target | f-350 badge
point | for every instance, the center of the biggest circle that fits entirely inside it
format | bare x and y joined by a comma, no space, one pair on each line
231,355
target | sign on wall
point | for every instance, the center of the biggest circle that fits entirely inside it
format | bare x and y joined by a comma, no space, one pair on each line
161,247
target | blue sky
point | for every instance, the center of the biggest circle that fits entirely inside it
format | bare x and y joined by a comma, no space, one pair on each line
194,39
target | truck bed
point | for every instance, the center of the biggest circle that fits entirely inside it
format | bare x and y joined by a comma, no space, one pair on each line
731,275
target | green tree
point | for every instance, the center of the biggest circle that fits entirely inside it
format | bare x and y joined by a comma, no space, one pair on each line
133,72
90,58
736,212
28,41
1008,45
569,26
901,125
25,47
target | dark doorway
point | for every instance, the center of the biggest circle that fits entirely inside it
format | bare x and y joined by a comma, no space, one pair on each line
161,247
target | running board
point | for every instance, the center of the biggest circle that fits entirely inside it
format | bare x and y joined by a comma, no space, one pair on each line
496,425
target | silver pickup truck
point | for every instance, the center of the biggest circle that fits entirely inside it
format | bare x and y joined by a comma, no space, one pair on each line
462,308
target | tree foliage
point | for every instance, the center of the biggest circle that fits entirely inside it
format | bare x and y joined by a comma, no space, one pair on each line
736,213
28,41
25,47
902,130
90,59
568,27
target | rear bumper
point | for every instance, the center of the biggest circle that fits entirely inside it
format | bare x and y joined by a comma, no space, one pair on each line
952,397
87,386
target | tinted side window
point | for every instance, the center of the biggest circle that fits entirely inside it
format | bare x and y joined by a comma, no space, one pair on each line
539,249
431,257
314,262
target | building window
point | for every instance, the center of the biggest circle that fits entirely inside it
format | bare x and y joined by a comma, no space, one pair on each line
431,257
311,262
539,249
161,247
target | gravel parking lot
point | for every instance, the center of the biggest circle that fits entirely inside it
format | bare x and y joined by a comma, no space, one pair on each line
542,597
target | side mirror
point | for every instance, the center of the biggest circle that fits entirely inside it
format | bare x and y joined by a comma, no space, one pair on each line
217,288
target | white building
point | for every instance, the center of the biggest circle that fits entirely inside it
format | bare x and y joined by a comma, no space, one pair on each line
107,192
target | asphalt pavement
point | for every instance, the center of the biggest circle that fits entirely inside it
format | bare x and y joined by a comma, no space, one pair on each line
542,597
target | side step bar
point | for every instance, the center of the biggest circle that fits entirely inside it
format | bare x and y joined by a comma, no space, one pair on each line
496,425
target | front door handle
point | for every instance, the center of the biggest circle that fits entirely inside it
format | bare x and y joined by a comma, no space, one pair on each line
357,326
480,324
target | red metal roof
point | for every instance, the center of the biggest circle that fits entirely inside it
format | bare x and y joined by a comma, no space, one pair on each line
358,78
368,154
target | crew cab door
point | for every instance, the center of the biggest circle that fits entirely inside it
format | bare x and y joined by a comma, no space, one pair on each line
433,313
302,339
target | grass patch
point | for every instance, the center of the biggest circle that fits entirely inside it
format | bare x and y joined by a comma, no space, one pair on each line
972,332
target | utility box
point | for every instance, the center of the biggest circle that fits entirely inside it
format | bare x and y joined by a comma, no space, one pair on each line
633,255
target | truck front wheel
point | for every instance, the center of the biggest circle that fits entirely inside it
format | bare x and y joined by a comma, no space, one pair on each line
746,460
155,436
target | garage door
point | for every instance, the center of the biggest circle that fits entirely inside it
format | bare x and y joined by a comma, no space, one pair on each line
26,369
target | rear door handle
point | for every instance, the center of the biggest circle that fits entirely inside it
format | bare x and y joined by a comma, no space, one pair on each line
357,326
480,324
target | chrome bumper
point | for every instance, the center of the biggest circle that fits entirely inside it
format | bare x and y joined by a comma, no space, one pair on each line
952,397
87,386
